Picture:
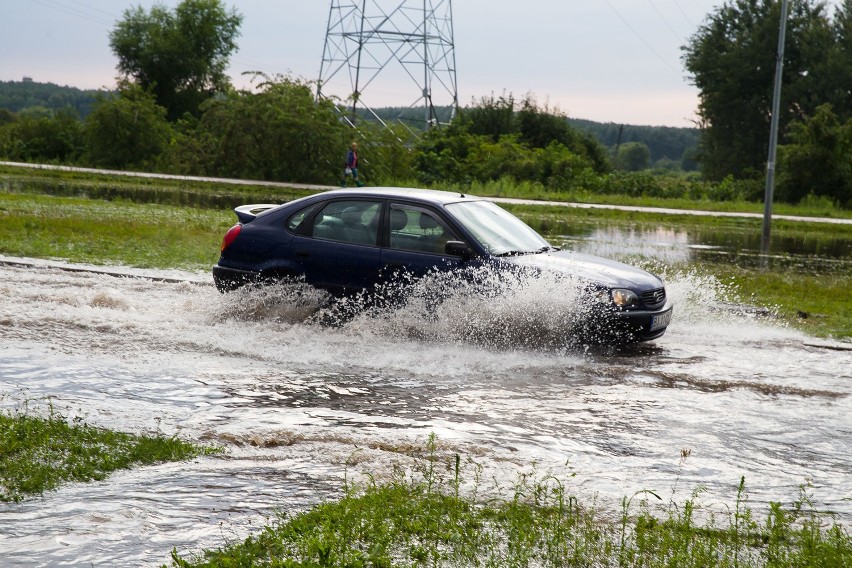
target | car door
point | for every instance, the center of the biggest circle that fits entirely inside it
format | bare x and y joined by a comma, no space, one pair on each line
415,241
339,248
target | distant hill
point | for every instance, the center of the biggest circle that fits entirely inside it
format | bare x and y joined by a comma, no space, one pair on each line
663,141
16,96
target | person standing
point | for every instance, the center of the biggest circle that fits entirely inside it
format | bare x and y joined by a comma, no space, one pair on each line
351,166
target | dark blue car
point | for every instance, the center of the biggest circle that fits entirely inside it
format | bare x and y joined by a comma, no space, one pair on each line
352,241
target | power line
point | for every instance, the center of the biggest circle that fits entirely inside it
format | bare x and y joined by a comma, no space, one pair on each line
75,11
665,21
683,13
640,38
92,8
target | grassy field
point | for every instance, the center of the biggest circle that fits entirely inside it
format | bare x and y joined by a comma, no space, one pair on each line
111,232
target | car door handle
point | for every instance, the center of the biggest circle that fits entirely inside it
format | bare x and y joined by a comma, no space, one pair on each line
302,254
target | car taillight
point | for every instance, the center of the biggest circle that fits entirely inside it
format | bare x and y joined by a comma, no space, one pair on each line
230,236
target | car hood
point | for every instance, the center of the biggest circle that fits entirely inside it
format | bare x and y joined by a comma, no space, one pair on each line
604,271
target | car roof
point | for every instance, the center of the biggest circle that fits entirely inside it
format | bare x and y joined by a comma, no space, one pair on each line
432,196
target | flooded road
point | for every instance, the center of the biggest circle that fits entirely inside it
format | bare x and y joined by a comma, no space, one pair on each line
293,402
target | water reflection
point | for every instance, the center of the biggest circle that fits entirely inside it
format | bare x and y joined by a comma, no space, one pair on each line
682,246
666,245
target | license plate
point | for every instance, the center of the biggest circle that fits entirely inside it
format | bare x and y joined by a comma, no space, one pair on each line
661,320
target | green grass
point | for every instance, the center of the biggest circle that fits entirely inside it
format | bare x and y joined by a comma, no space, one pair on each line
808,208
111,232
39,454
143,190
425,519
225,195
818,304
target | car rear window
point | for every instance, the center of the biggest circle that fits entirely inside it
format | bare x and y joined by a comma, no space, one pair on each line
355,222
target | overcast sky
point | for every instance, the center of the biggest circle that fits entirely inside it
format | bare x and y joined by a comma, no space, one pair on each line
604,60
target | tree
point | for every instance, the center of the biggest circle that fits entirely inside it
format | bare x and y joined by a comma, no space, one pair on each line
126,129
533,126
663,141
839,63
633,157
732,62
42,136
179,56
454,155
278,133
442,154
539,127
818,159
6,116
385,154
492,117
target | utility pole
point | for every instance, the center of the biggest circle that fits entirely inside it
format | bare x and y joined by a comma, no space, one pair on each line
618,142
773,134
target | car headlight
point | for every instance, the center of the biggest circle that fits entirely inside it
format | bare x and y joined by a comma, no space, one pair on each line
623,298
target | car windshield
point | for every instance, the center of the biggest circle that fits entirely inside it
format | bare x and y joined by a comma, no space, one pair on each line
497,230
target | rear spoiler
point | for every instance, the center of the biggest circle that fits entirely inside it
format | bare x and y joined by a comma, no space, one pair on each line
246,213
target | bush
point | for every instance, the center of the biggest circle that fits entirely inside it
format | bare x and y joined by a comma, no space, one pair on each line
55,137
126,130
278,133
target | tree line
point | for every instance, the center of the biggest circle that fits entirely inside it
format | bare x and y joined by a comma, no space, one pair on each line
278,131
31,97
631,147
174,111
668,147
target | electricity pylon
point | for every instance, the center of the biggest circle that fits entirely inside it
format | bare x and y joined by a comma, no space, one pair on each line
376,45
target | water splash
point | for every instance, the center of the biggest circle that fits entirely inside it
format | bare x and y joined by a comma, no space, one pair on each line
488,308
481,306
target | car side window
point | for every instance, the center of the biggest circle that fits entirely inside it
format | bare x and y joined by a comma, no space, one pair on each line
355,222
299,216
417,229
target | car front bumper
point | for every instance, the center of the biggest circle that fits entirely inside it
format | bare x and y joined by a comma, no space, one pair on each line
642,325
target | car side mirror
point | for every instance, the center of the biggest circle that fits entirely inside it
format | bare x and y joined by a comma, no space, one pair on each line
458,248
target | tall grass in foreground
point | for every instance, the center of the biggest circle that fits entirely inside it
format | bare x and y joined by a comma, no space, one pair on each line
425,519
38,454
